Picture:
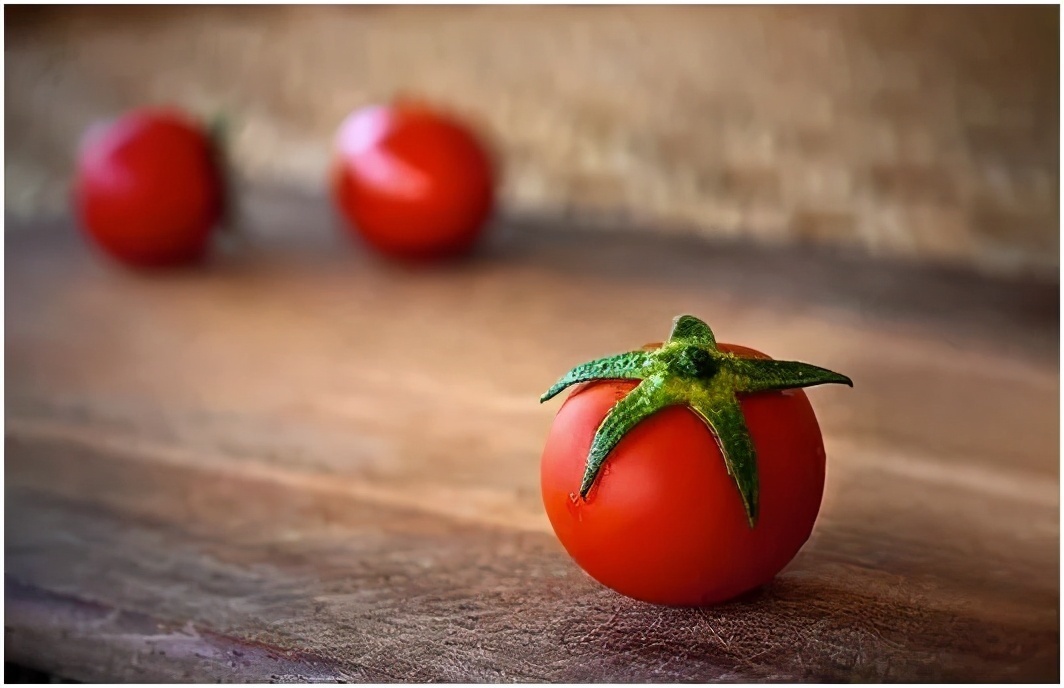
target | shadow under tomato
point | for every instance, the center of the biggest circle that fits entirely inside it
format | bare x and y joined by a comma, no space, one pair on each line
806,630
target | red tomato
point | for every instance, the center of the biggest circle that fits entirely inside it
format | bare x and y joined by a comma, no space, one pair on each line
412,182
148,190
665,522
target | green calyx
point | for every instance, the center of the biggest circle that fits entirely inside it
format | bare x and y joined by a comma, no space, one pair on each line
219,132
689,370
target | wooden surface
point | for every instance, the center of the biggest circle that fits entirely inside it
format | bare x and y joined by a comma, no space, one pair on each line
301,464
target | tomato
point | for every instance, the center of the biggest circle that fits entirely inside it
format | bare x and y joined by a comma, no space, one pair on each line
148,190
412,182
665,522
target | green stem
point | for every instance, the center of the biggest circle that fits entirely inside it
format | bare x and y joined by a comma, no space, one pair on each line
218,128
689,369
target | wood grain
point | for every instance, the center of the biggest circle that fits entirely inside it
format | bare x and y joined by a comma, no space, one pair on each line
301,464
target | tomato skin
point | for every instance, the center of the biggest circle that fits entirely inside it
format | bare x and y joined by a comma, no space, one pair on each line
413,183
665,523
148,190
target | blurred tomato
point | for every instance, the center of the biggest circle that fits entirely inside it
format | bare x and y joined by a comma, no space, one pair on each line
412,182
148,190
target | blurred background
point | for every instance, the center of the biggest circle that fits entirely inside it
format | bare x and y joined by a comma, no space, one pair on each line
310,448
927,134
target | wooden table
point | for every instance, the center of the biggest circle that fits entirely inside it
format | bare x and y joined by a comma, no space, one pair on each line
302,464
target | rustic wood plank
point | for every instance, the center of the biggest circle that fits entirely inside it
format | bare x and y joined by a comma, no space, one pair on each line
301,463
343,589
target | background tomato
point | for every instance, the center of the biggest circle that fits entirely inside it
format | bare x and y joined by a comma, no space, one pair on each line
148,189
414,183
665,522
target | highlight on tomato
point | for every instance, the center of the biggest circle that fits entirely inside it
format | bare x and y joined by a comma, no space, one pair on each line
149,188
413,182
685,473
